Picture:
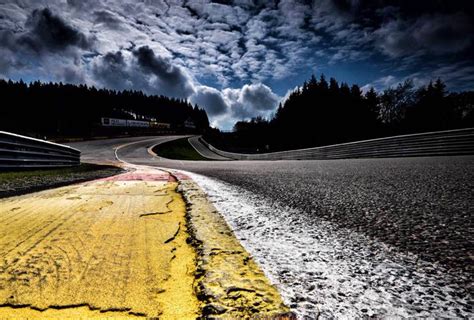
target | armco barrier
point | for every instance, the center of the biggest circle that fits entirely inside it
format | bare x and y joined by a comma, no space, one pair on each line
440,143
18,152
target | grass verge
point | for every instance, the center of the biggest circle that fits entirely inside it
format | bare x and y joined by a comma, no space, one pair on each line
178,149
19,182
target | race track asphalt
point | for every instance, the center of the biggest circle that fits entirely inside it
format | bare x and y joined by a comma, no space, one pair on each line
203,150
423,205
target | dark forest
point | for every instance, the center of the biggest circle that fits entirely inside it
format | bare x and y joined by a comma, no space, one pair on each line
65,110
323,112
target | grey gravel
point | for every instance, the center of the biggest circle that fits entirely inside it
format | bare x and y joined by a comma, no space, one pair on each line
31,181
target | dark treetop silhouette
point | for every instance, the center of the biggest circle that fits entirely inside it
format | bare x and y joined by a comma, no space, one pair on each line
56,109
322,113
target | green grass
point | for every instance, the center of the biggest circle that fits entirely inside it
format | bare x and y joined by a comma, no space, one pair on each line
178,149
25,181
34,173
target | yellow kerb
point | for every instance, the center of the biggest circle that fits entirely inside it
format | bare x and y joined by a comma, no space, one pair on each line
97,250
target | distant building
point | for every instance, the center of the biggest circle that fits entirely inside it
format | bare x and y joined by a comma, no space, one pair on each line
138,124
160,125
114,122
189,124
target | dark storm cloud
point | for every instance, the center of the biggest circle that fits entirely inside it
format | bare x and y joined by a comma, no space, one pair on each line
49,31
150,62
43,43
212,100
144,70
114,59
111,71
430,34
170,78
395,28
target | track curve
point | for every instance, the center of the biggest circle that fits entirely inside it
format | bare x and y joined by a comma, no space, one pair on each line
405,223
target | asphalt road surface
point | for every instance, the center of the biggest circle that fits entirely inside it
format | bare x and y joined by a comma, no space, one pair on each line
401,227
203,150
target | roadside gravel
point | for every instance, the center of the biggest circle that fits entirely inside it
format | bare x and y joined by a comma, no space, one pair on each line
21,182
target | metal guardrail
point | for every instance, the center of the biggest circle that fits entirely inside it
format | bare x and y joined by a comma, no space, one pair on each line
18,151
440,143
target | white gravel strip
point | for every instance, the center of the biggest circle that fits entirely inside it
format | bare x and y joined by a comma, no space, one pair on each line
335,274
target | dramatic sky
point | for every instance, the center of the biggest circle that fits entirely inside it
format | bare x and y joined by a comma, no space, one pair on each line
237,59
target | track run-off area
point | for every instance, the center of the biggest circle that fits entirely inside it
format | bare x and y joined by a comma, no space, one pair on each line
337,238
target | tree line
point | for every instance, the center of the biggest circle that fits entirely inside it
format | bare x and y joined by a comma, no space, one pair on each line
57,109
322,112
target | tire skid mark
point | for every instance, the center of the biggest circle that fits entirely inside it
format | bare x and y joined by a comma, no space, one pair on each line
36,233
51,218
31,215
17,211
69,263
23,215
100,245
46,250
